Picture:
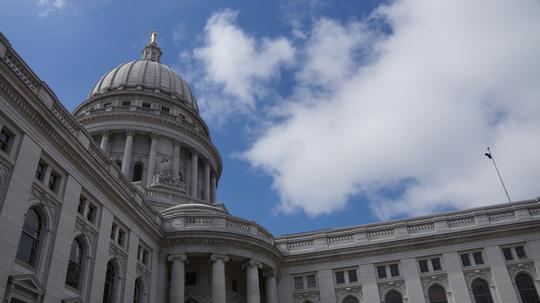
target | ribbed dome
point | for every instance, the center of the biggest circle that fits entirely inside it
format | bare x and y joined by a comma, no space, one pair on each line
145,74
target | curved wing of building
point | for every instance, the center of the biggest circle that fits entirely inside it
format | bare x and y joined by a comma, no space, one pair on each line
116,202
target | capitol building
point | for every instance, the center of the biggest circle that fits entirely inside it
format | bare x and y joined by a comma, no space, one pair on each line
116,202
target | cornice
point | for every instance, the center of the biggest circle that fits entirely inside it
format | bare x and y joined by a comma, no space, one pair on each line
401,246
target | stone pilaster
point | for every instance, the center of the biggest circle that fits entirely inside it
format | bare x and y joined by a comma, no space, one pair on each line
456,279
213,186
207,182
370,288
128,153
152,159
499,272
176,159
105,141
415,292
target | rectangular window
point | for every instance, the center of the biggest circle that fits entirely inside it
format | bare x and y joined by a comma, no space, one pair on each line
507,252
145,257
191,278
113,231
91,213
436,264
53,181
340,277
80,207
465,260
478,259
520,252
121,237
353,276
146,105
381,271
165,109
126,103
139,252
40,171
5,140
298,283
311,282
423,266
394,270
107,104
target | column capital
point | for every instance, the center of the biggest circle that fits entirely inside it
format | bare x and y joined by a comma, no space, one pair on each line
130,132
181,257
215,257
252,263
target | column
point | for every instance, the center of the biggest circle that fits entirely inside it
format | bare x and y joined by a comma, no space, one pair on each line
194,175
252,279
152,159
218,278
370,289
456,279
105,141
177,285
415,292
176,159
499,272
213,187
128,153
207,182
327,289
271,287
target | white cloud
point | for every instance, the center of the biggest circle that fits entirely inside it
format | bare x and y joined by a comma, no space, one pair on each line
236,67
412,109
50,6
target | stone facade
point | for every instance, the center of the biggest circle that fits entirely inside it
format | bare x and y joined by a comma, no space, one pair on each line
117,203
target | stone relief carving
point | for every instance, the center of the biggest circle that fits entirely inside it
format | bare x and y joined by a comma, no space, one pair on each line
345,291
484,273
312,296
165,174
82,228
528,267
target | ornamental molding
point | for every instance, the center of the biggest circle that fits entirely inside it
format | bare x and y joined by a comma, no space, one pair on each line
83,228
527,267
343,292
310,296
398,285
440,279
483,273
49,203
401,246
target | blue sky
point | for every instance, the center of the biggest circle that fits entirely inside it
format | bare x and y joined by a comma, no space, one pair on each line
326,113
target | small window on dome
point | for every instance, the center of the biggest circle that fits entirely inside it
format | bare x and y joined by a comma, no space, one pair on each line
165,109
146,105
126,103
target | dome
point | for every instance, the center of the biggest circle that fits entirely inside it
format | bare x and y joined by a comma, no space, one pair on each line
146,74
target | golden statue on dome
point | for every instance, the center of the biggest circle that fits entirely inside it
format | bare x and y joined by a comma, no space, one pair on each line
153,37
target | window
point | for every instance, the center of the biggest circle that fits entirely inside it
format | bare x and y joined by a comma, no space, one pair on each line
107,104
138,292
394,270
40,170
73,276
137,172
353,276
91,213
6,137
126,103
143,254
191,278
340,277
145,257
110,281
481,292
118,234
146,105
507,252
514,252
423,266
30,235
113,231
54,180
436,264
526,289
437,294
520,252
472,259
298,283
393,297
381,271
80,207
121,237
311,281
165,109
350,299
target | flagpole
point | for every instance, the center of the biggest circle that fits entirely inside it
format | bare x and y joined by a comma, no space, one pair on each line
490,155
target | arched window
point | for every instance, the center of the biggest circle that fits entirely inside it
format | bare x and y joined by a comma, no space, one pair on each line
138,294
527,291
437,294
350,299
30,235
74,271
393,297
137,171
110,283
481,292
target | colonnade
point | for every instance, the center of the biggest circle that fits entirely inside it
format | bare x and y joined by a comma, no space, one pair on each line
177,282
209,174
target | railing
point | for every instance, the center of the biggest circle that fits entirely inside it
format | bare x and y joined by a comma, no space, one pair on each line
409,228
